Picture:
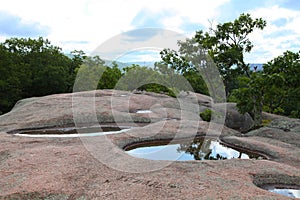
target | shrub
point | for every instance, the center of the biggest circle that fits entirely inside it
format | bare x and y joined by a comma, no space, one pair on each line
206,115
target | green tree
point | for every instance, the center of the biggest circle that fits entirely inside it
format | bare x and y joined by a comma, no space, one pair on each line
110,77
136,77
276,89
197,82
77,60
33,67
47,66
286,100
89,74
10,81
228,43
193,63
250,96
170,77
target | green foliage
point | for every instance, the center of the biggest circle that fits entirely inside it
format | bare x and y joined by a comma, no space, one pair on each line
252,92
227,44
179,72
286,100
197,82
77,60
171,93
173,79
276,89
94,74
33,67
10,82
88,77
109,78
136,77
154,87
206,115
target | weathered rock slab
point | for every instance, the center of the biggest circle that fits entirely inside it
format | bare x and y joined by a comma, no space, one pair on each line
66,168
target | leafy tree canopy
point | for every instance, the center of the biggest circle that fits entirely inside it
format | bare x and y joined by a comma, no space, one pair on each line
33,67
228,43
276,89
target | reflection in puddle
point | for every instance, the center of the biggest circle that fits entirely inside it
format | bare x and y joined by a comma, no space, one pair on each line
200,149
72,132
144,111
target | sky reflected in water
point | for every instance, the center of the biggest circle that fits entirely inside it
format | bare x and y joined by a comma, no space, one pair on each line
200,149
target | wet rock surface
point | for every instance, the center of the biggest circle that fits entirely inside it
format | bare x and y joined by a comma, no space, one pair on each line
65,168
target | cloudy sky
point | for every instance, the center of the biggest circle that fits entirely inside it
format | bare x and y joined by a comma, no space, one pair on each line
86,24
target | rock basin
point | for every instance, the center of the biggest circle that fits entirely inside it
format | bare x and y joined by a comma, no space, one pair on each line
183,150
72,132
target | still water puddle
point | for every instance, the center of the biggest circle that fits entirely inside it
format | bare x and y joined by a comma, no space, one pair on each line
286,191
72,132
143,111
199,149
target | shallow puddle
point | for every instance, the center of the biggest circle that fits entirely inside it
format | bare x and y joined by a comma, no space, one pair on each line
285,191
72,132
143,111
199,149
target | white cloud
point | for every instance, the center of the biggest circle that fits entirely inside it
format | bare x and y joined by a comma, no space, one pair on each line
97,21
275,39
94,21
193,11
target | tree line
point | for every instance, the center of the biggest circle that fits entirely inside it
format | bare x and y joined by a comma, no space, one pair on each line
35,67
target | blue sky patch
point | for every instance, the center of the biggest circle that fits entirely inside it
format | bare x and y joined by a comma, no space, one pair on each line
280,33
280,22
232,10
11,25
291,4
